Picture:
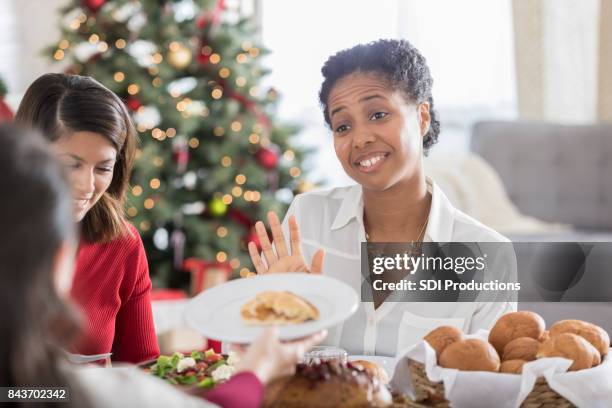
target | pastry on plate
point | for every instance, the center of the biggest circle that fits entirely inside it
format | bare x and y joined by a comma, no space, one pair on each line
278,308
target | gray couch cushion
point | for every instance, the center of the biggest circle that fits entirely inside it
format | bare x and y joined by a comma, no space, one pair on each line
597,313
570,235
554,172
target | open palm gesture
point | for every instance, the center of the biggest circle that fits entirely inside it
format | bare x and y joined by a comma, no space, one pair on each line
276,254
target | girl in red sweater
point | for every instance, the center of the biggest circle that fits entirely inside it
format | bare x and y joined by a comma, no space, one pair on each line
91,133
36,268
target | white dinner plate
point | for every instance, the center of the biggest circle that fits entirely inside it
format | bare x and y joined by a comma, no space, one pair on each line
387,363
216,312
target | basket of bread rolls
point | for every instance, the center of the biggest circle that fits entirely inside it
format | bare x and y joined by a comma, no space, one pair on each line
517,339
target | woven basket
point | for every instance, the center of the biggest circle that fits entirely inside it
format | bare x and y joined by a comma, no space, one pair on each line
432,393
542,396
426,391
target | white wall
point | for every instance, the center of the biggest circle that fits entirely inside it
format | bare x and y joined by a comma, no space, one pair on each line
28,26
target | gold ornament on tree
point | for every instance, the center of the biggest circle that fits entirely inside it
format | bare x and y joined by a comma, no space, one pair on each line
305,186
179,56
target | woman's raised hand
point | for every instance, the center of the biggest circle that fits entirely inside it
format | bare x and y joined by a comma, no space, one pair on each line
278,258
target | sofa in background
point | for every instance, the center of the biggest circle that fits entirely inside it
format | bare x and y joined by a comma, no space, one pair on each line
556,173
561,174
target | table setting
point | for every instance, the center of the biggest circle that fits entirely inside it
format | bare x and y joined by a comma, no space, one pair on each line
520,362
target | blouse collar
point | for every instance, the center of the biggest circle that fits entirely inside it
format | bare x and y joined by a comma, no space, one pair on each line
441,214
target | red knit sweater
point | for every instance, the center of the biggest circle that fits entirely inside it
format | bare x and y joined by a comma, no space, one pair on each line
112,286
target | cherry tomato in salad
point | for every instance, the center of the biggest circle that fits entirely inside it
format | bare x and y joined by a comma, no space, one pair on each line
213,358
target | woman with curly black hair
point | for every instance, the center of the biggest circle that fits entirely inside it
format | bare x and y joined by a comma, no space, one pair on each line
377,100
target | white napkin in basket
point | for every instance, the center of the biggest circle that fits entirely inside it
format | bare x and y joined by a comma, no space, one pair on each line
587,388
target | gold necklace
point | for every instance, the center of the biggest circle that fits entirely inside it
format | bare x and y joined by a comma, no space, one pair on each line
418,237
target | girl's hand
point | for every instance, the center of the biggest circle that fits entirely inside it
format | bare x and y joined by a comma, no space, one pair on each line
269,358
281,260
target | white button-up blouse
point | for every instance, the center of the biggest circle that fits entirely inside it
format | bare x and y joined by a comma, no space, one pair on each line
333,220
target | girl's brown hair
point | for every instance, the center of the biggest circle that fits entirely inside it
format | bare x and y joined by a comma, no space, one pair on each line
61,104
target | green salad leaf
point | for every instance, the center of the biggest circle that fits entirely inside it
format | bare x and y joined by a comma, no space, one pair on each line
186,379
176,357
206,383
163,365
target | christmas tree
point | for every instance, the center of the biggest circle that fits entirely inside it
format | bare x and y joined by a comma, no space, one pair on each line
212,160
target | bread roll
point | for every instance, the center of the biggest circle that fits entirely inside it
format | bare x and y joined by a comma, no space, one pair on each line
470,355
514,325
523,348
373,370
545,336
570,346
596,356
442,337
592,333
512,366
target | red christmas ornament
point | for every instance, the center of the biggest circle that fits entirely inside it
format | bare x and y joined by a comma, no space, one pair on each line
240,217
133,103
181,158
211,17
180,154
6,114
267,158
93,5
204,20
203,55
203,59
